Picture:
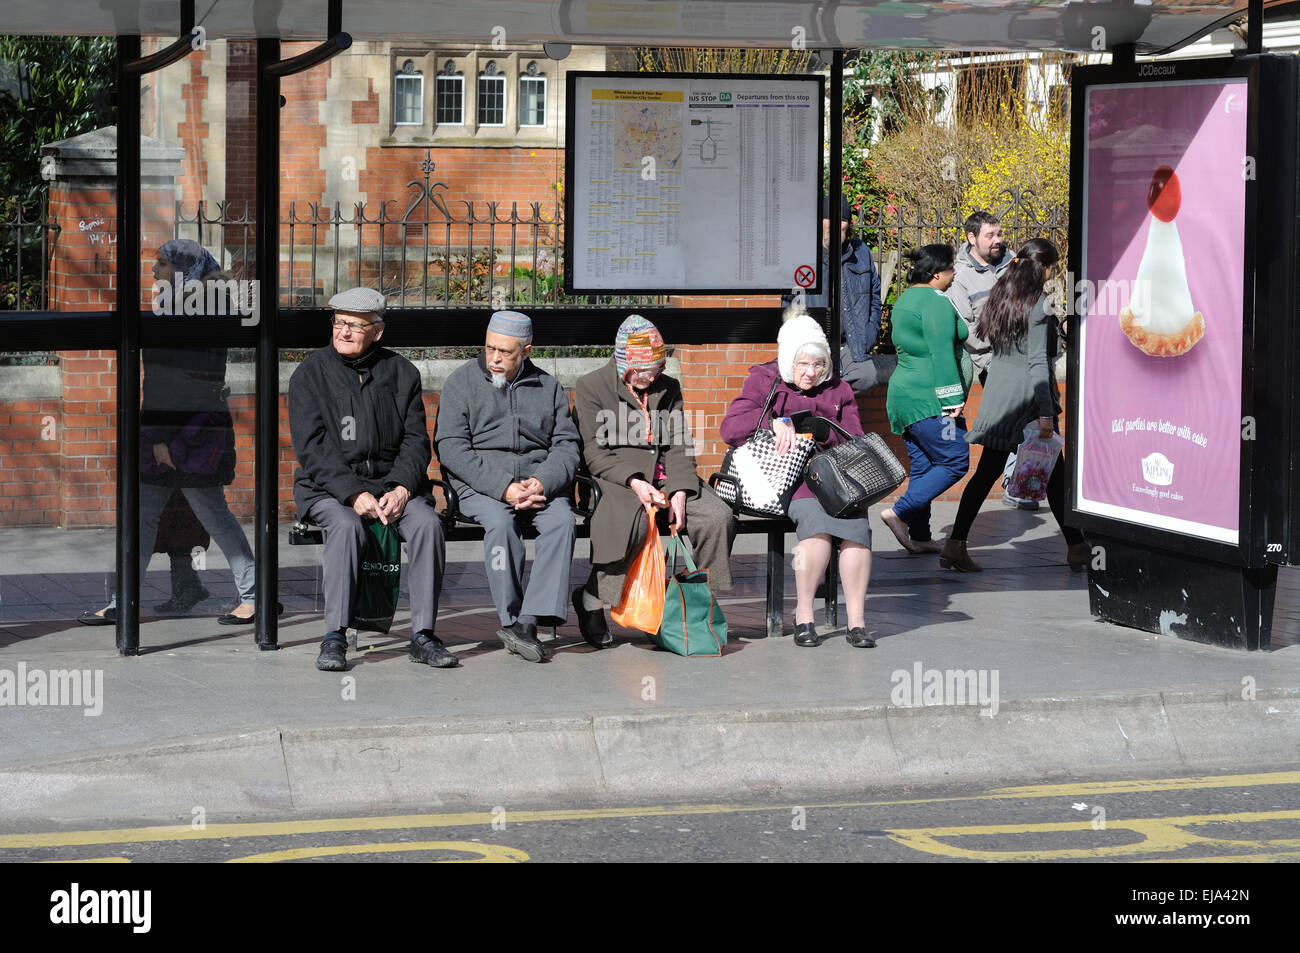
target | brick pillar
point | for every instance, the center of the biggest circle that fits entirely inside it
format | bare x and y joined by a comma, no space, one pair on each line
83,277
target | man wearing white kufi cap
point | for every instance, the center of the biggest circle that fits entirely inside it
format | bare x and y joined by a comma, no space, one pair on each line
510,449
357,418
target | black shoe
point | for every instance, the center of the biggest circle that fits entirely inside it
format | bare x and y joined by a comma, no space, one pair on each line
592,624
231,619
333,654
521,639
860,638
428,648
183,601
90,618
806,635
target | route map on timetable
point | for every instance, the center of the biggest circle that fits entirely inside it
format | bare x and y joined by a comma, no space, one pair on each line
693,183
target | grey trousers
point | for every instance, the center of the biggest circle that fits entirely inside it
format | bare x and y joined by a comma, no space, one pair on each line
710,528
862,376
209,506
426,555
546,600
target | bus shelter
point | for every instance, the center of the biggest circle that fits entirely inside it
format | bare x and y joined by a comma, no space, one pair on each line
344,94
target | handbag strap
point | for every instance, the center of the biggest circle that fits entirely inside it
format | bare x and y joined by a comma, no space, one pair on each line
677,543
837,428
762,418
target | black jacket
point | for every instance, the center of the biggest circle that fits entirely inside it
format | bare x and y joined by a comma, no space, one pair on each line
358,426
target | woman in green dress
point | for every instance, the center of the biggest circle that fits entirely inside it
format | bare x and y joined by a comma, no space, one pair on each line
927,393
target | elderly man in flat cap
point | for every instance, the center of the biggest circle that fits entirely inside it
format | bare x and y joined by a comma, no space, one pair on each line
510,449
362,441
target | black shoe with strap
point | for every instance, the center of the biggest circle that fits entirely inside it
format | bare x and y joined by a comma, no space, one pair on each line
521,639
805,635
860,638
428,648
591,624
333,655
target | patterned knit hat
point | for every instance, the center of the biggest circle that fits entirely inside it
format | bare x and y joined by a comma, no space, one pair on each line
513,324
638,346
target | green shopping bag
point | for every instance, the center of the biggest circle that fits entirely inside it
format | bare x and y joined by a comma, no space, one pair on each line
693,624
381,578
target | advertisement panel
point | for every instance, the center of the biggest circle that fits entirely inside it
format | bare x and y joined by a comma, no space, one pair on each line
1163,267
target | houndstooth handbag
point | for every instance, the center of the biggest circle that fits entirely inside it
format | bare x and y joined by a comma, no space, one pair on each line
853,475
767,479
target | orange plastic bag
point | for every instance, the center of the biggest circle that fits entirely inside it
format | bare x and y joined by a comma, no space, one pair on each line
642,604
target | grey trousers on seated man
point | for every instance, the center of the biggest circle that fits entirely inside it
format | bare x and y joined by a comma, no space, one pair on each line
345,536
862,376
546,599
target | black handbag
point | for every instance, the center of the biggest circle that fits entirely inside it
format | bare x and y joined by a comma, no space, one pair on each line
853,475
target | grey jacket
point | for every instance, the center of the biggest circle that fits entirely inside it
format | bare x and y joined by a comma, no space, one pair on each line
969,290
487,439
1021,386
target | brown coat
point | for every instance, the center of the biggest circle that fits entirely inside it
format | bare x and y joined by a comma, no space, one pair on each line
615,449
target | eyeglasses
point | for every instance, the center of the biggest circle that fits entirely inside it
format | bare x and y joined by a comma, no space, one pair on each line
353,326
810,367
645,375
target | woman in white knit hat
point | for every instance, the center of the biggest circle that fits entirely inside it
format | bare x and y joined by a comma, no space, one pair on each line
802,384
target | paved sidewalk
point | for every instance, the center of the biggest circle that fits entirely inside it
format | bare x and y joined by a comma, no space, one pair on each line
203,717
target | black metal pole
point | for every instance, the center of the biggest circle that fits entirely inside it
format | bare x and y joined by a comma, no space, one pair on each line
834,193
266,493
1255,26
128,348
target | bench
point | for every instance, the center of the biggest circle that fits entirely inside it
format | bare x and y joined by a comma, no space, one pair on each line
459,528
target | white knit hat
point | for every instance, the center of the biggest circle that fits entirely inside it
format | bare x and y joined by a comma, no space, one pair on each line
797,333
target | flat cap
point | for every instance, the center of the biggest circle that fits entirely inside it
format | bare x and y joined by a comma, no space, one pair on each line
359,300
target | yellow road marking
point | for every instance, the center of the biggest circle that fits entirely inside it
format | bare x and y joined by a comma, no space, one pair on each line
1159,835
1226,859
90,860
488,853
133,835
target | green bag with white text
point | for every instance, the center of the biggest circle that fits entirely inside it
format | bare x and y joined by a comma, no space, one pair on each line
381,579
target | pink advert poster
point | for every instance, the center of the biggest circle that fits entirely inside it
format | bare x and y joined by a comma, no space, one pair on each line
1163,267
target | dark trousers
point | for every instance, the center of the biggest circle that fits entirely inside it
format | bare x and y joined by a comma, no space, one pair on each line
988,472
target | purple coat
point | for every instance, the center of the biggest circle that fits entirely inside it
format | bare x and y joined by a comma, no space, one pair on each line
833,400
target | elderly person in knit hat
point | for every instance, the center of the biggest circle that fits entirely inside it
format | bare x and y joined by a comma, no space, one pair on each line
510,449
637,446
356,414
803,385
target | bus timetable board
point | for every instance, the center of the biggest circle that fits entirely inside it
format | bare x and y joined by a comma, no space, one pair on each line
706,184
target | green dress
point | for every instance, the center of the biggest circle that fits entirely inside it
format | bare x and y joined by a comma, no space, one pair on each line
934,370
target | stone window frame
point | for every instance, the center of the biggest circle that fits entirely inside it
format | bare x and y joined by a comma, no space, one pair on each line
492,73
525,77
400,75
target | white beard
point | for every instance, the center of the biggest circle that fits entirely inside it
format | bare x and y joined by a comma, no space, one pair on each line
499,381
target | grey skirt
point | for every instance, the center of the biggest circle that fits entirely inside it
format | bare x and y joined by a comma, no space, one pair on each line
810,519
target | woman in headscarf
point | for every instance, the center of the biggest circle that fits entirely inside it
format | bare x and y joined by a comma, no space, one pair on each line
639,449
802,385
187,438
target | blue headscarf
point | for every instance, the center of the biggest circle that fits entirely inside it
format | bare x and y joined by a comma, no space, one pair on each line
189,257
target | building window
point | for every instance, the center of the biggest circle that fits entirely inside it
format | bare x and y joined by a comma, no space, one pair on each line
532,98
408,96
491,97
450,92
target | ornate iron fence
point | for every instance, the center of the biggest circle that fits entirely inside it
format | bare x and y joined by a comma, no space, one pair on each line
25,246
426,256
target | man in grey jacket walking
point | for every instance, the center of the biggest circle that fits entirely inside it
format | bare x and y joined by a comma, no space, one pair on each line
509,447
980,262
